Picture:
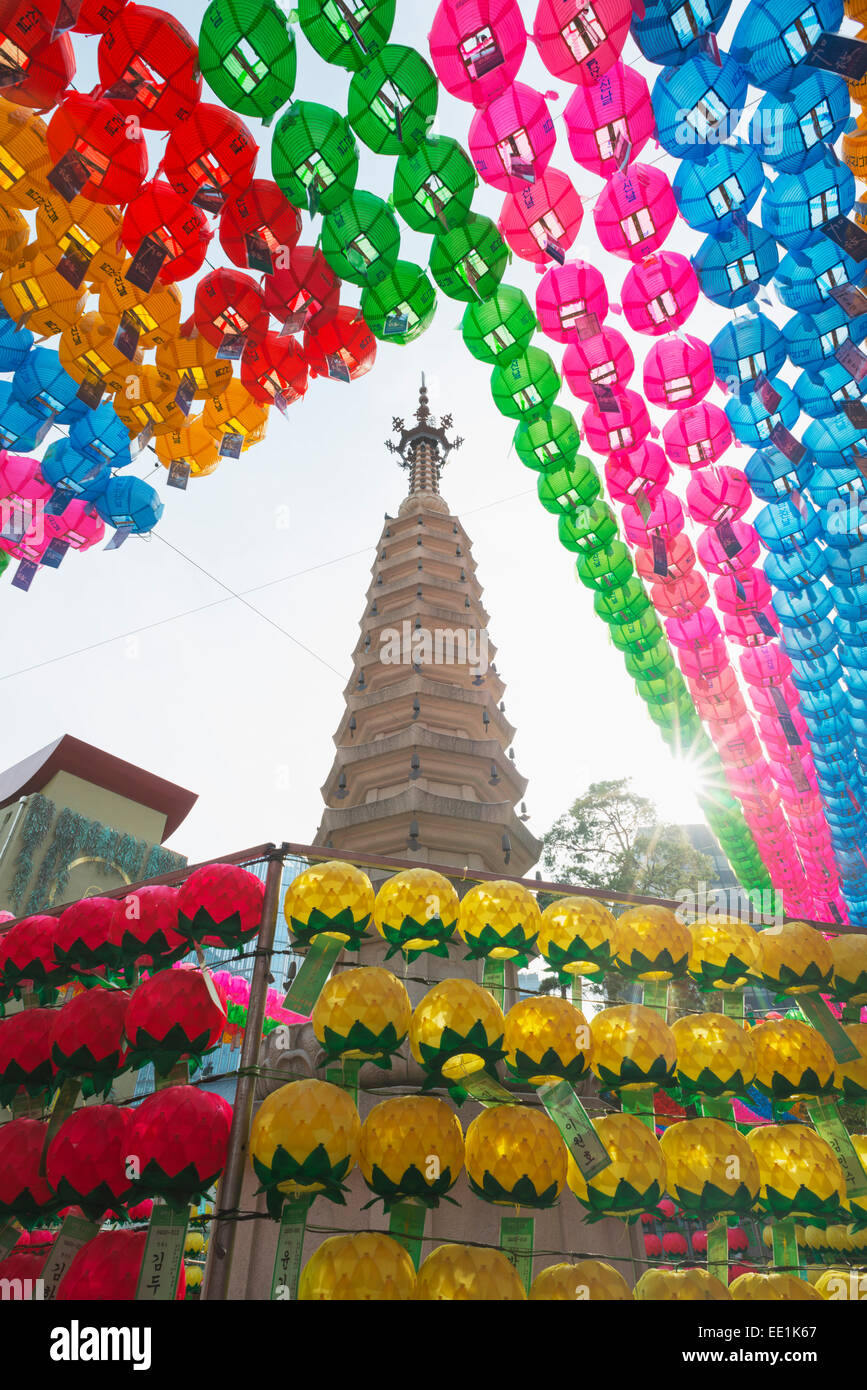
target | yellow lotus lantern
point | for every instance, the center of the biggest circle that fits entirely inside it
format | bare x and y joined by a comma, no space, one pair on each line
366,1267
147,401
194,1242
153,317
793,959
14,235
650,944
468,1273
412,1146
416,911
189,444
87,352
515,1155
335,898
803,1235
714,1055
846,1284
799,1173
711,1168
575,937
688,1285
849,958
457,1028
501,920
304,1139
547,1039
856,1207
722,954
196,360
363,1014
632,1048
235,413
194,1275
32,287
793,1061
634,1180
85,233
589,1280
24,159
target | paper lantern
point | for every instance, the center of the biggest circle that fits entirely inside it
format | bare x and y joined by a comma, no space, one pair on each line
86,1160
173,1016
25,33
25,1053
314,158
603,361
609,123
87,1039
307,287
526,386
541,221
72,474
259,228
27,958
392,100
190,445
235,415
684,1285
148,401
89,135
335,898
49,75
512,139
698,104
467,263
274,369
634,1180
350,38
468,1273
229,306
499,919
717,191
575,936
130,502
107,1268
547,1039
477,48
194,360
714,1055
456,1028
793,959
849,957
711,1168
181,1137
768,43
579,43
80,236
549,442
771,1288
515,1155
94,16
305,1139
645,470
623,428
632,1047
342,344
362,1013
360,239
411,1147
26,163
210,157
24,1194
401,307
88,353
635,212
24,1265
83,941
793,1061
247,56
795,206
800,1175
434,186
650,944
696,436
180,232
32,287
565,295
416,911
362,1267
149,65
588,1279
852,1076
678,373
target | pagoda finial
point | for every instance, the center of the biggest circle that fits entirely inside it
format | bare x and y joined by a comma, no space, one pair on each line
425,443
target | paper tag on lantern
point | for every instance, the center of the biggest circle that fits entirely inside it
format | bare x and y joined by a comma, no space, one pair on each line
127,335
586,326
24,575
856,413
788,727
520,169
120,535
642,503
281,402
639,1104
826,1118
69,175
785,1247
121,91
851,300
142,439
313,198
231,347
622,152
516,1242
494,979
713,1108
178,475
337,368
146,265
486,1089
764,624
74,264
852,358
655,996
209,199
575,1126
164,1249
290,1244
555,251
486,58
258,254
91,392
293,323
231,446
179,1075
8,1238
727,539
733,1004
185,394
66,18
395,324
606,400
345,1075
817,1013
787,443
718,1249
660,555
707,44
848,235
406,1226
769,398
75,1232
835,53
52,556
315,969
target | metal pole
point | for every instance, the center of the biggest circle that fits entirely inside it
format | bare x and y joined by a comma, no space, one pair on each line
216,1284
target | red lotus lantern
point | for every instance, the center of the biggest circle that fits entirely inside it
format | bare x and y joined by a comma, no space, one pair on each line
345,339
141,1211
145,927
172,1017
87,140
738,1239
699,1242
23,1193
210,157
260,228
306,288
667,1208
161,215
85,941
149,66
107,1269
674,1243
25,1053
181,1136
652,1247
86,1163
221,905
229,308
27,958
87,1038
48,75
25,1267
274,369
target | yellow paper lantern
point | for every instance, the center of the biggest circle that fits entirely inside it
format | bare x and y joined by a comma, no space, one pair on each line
194,1275
632,1048
196,360
155,315
87,353
304,1139
362,1013
793,1061
456,1029
189,444
853,149
849,1285
589,1280
858,85
799,1173
147,401
194,1242
651,944
714,1055
468,1274
499,919
416,911
366,1267
412,1146
515,1155
575,937
634,1180
849,957
14,235
772,1288
723,953
711,1168
547,1039
334,898
24,158
236,413
32,288
794,959
688,1285
86,232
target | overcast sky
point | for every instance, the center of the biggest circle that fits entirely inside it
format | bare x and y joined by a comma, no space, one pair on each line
147,653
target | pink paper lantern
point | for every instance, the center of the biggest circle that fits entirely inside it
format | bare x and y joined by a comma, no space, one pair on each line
750,592
718,554
716,495
477,47
21,477
579,42
565,294
625,428
678,372
747,630
644,471
679,560
541,220
610,123
659,294
604,360
705,663
682,599
769,667
512,140
635,212
666,519
699,630
697,436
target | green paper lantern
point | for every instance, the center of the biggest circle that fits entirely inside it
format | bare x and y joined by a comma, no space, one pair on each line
622,605
401,306
526,385
655,692
589,528
608,568
247,56
650,664
347,32
549,443
563,490
314,157
644,629
392,101
468,262
360,240
434,186
501,328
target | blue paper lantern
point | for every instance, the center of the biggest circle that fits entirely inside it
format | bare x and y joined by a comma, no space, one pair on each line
715,191
732,269
20,429
15,344
102,436
847,568
808,604
805,278
813,339
672,30
851,602
844,482
782,526
788,571
811,642
822,393
773,37
698,105
746,347
129,502
796,207
833,441
41,384
816,675
789,130
752,422
771,475
64,469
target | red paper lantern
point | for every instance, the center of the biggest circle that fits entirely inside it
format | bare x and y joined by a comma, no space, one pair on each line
161,214
173,1017
87,1038
259,229
221,904
345,336
87,1160
141,1211
674,1243
149,66
48,75
307,287
94,130
274,369
25,1053
699,1242
24,1266
667,1207
738,1239
94,16
24,30
27,958
181,1136
23,1193
85,936
210,157
145,927
652,1247
41,1238
107,1269
229,305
